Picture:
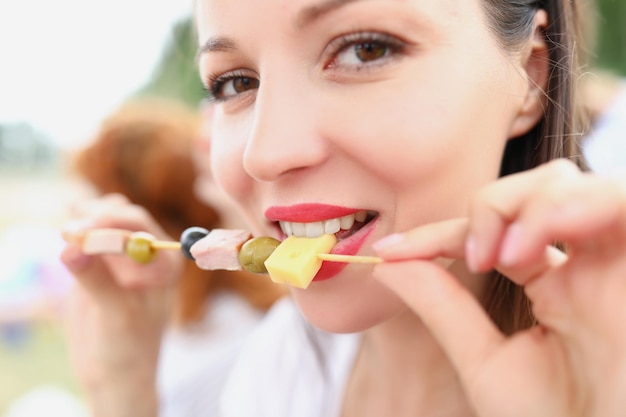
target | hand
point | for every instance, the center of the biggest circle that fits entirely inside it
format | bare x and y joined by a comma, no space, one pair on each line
573,363
117,312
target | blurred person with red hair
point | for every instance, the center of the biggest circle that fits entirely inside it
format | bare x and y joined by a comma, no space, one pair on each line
141,159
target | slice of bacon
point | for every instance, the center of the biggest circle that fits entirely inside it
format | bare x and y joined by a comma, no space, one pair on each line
220,249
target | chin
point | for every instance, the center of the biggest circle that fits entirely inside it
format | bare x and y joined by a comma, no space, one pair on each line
340,306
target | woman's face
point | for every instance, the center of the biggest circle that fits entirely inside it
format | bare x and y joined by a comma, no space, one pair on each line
396,110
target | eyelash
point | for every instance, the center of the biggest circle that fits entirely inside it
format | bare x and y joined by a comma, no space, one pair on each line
341,44
216,82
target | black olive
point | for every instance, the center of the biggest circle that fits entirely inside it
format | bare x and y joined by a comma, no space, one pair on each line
190,236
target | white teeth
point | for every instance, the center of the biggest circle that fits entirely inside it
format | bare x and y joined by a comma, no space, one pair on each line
346,222
298,229
360,216
316,229
287,228
332,226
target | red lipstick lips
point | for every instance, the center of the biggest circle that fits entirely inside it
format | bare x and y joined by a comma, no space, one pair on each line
305,213
314,212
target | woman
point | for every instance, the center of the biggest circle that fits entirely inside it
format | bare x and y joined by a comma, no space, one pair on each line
417,113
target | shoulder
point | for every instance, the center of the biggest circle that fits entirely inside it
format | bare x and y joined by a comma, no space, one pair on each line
288,366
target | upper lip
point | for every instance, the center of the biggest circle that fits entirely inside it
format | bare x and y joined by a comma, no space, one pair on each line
307,212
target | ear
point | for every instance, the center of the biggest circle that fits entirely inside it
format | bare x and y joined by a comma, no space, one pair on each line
535,64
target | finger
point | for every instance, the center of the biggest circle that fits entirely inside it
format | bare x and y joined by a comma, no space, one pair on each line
89,271
120,269
525,274
451,313
114,211
588,214
499,204
91,206
447,239
109,274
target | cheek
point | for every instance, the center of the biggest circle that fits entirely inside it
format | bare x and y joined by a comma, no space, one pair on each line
226,163
432,154
427,122
420,143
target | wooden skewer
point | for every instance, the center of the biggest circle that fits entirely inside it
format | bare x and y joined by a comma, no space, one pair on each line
121,235
331,257
173,245
165,244
355,259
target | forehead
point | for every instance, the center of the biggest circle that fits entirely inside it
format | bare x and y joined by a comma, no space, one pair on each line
221,15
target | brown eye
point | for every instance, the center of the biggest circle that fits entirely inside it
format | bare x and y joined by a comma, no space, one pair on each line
370,51
231,85
243,84
360,51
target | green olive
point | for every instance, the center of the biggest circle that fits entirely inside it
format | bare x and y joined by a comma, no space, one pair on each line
139,247
255,251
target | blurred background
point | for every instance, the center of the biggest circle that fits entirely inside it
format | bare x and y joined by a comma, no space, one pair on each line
64,66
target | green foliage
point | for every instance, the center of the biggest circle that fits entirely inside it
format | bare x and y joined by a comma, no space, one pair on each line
611,27
176,75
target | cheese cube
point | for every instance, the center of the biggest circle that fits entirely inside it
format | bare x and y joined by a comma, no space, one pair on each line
295,260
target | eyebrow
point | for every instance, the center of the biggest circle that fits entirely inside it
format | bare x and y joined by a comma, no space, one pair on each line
305,17
311,13
217,44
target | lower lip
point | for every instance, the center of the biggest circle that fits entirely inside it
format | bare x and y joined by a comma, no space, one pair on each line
349,246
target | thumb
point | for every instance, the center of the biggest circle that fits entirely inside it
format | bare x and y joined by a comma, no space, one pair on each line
449,310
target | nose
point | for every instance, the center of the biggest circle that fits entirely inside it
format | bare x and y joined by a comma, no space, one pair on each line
285,135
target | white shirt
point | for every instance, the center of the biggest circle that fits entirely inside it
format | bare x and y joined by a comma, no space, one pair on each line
195,361
605,146
288,368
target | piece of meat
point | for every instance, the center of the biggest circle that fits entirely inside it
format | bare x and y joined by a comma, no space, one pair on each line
102,241
220,249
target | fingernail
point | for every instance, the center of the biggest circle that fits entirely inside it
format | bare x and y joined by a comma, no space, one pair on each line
470,254
388,241
510,244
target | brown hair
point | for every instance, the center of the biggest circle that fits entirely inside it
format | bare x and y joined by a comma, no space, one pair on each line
144,151
555,136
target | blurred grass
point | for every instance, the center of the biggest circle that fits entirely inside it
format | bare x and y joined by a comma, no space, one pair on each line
41,358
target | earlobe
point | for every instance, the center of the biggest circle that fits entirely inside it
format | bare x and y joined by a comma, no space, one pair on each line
536,67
